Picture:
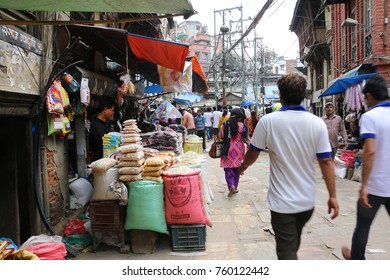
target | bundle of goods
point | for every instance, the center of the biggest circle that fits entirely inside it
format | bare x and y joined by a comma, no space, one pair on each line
153,169
131,153
105,174
111,142
183,197
146,127
166,140
180,129
149,152
194,160
167,157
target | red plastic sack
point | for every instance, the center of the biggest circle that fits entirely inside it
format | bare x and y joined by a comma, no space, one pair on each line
184,200
76,226
348,156
49,251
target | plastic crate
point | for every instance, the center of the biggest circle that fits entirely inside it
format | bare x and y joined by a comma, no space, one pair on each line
188,237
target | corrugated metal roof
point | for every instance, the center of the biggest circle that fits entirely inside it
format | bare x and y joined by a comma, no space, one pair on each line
120,6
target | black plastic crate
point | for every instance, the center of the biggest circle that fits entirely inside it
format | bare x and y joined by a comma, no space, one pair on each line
188,237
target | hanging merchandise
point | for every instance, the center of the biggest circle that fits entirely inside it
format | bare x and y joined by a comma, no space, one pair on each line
58,124
173,81
71,82
54,102
127,87
65,98
85,93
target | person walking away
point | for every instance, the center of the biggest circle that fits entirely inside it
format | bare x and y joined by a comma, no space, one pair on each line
336,128
224,118
235,136
209,123
217,114
188,121
200,124
292,188
251,123
374,191
100,126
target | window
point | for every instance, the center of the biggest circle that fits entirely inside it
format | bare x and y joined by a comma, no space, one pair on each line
353,37
367,28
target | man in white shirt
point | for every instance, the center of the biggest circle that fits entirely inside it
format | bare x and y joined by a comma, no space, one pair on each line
294,138
375,189
217,114
209,123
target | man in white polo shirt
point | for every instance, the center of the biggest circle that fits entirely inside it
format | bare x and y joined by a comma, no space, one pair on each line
217,114
294,138
375,188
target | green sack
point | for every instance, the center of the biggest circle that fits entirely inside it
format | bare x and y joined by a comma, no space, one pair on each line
145,207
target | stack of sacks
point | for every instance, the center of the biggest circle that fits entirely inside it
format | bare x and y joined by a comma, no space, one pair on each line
168,157
153,169
131,155
149,152
131,162
130,133
111,142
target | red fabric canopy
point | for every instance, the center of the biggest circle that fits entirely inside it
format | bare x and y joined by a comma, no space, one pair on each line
199,81
168,54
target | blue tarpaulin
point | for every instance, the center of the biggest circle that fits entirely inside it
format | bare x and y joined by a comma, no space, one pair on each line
188,98
153,89
247,103
342,84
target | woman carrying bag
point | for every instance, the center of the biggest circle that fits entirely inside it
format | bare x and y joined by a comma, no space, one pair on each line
235,136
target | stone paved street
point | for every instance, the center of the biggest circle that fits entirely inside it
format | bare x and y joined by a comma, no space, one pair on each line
241,224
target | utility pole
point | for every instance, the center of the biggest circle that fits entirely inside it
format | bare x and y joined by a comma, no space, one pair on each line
224,30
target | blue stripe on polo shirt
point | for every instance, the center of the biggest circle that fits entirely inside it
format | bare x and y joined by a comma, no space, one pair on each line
254,148
367,135
381,104
324,155
292,107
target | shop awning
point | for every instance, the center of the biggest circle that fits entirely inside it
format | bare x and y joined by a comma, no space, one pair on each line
199,81
143,53
343,83
172,7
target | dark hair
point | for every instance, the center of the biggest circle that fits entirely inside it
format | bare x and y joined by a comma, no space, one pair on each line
254,119
224,113
219,107
236,116
104,103
292,88
376,85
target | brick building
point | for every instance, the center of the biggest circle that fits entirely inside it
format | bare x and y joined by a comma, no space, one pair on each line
359,36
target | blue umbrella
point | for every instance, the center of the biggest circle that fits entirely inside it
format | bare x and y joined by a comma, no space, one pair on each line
342,84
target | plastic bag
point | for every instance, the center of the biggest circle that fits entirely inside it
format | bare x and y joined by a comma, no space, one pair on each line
38,239
54,102
49,251
127,87
76,226
85,94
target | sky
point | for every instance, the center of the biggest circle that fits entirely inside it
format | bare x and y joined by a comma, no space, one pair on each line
273,26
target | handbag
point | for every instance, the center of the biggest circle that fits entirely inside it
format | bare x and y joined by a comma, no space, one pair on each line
216,150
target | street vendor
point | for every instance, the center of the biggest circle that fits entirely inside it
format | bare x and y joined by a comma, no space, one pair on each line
100,126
